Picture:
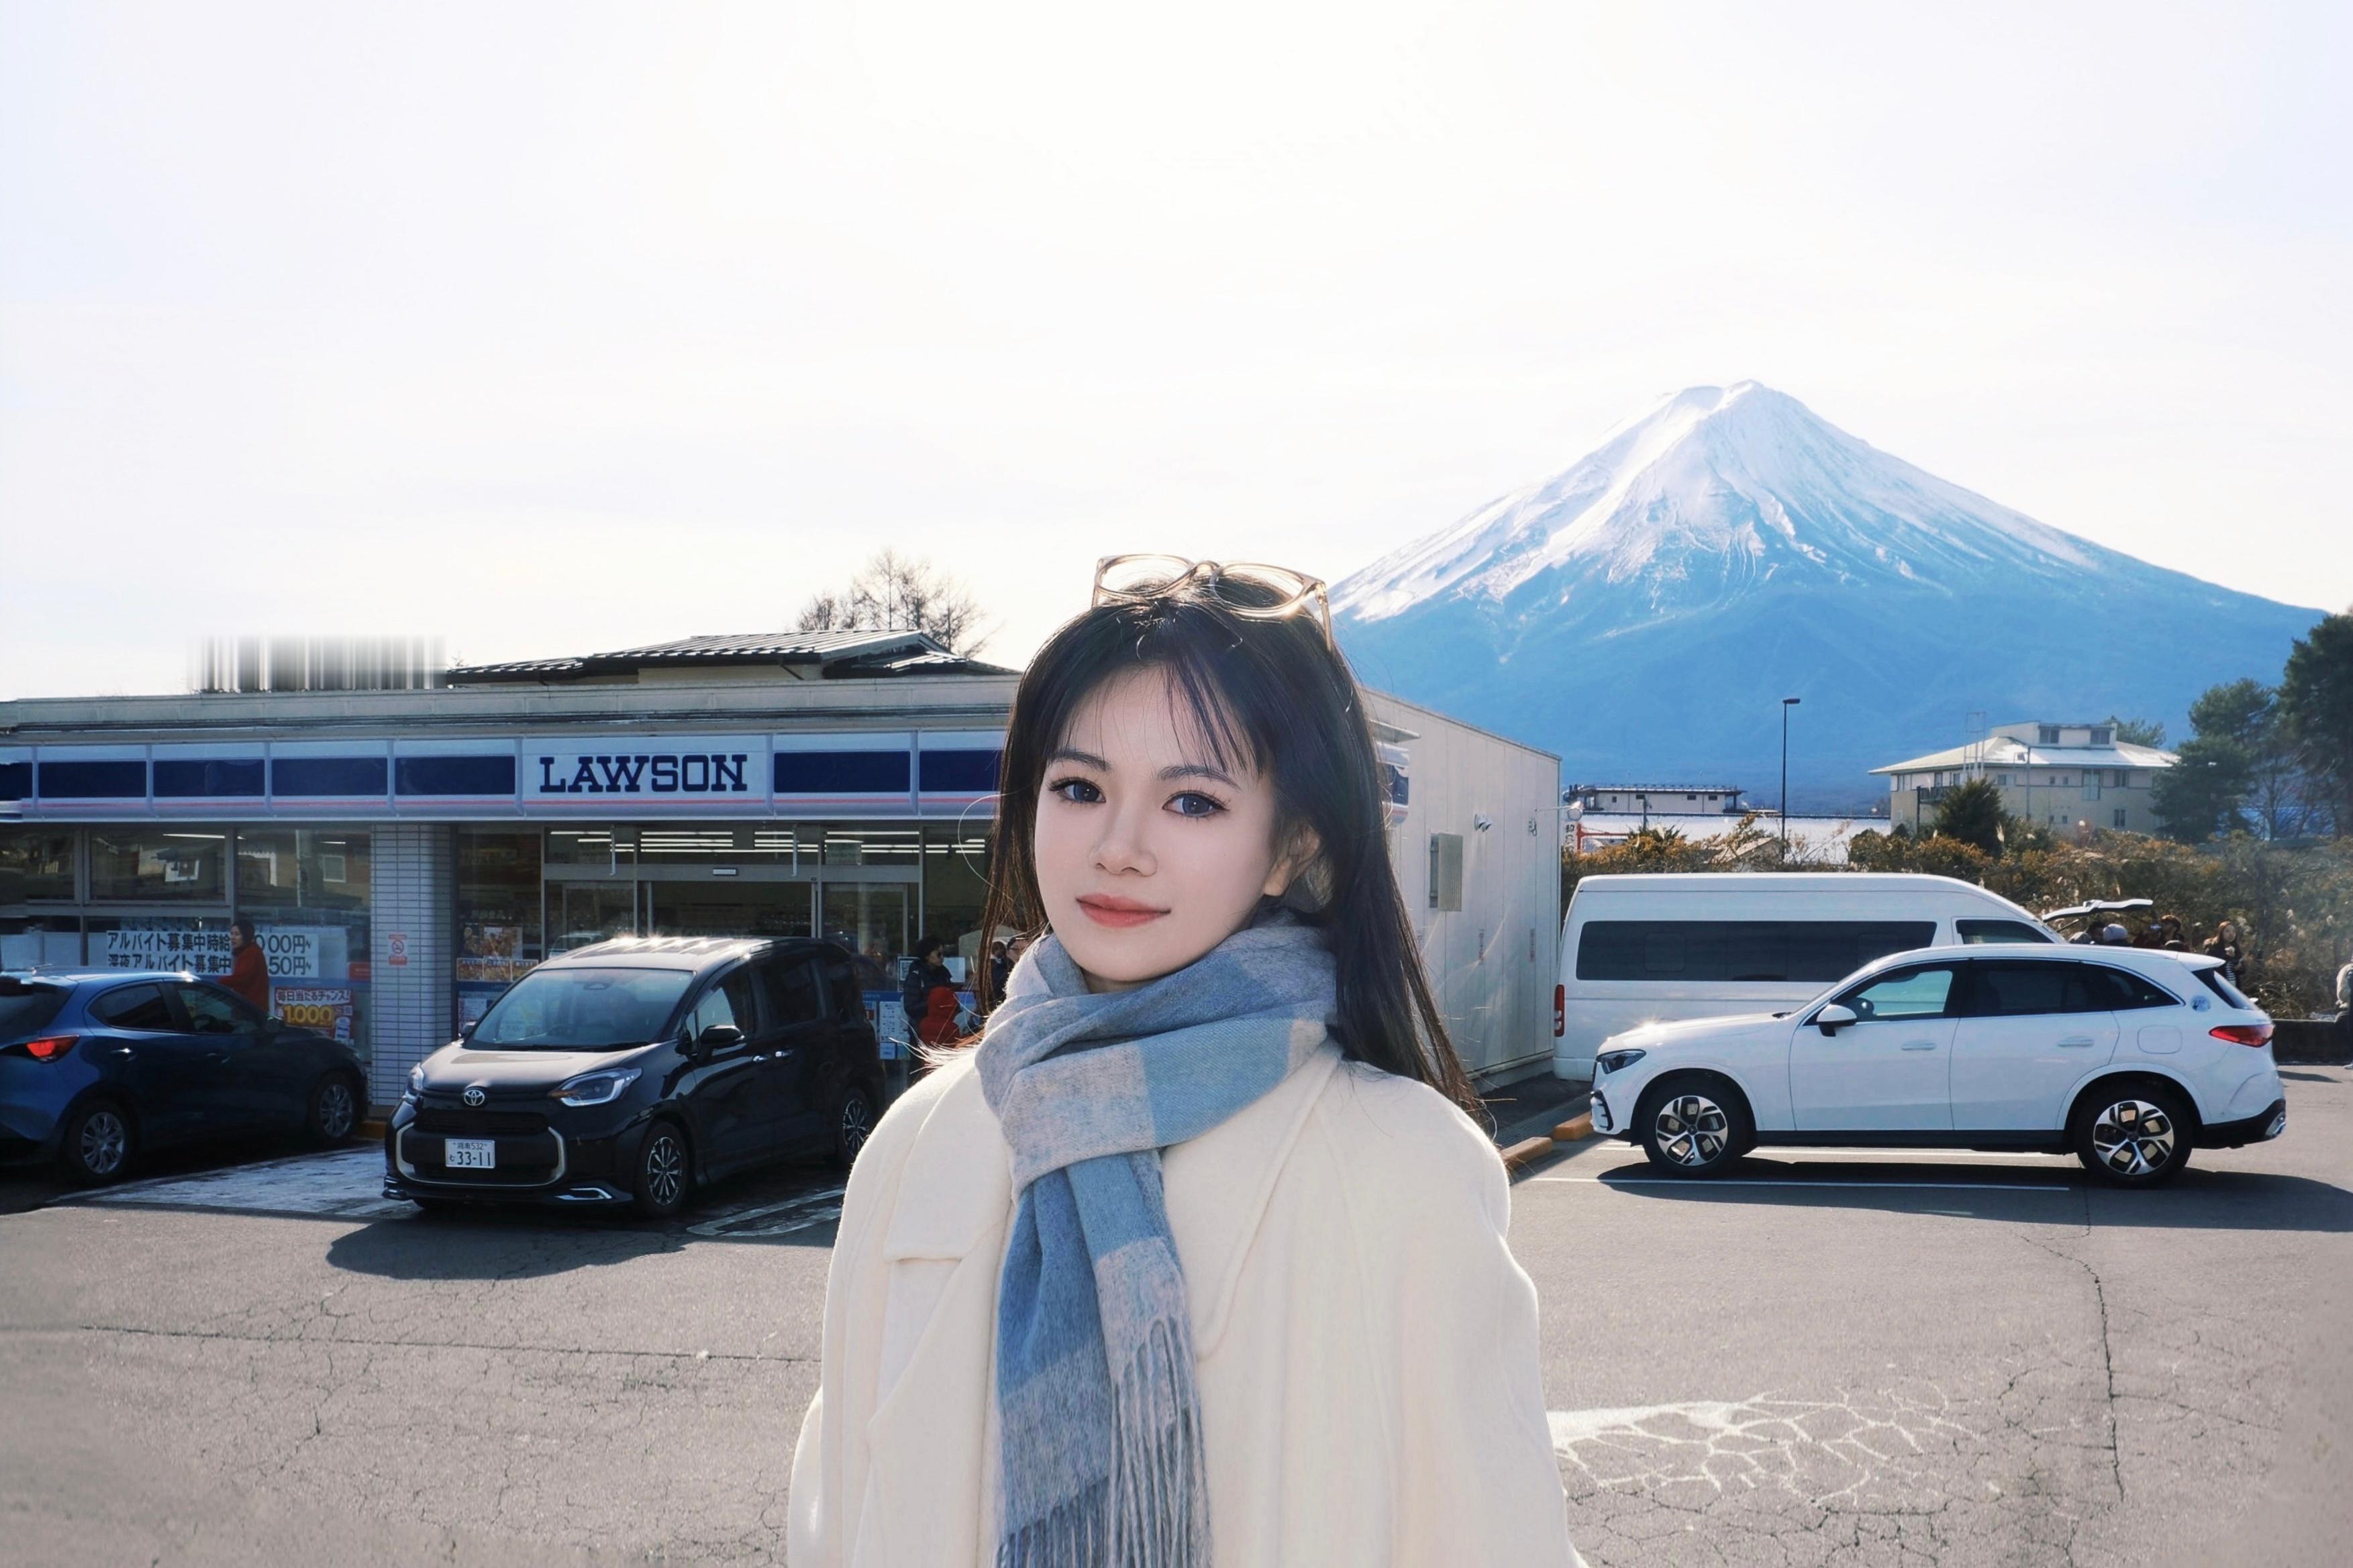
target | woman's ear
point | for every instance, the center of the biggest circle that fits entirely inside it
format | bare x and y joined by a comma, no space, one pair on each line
1300,877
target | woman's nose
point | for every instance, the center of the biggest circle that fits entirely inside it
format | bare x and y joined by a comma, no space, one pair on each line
1122,849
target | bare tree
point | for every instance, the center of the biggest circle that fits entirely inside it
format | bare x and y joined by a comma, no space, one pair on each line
899,592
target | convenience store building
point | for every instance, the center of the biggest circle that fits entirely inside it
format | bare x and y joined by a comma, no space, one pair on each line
405,854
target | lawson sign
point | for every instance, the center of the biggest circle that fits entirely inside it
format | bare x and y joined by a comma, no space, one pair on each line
724,768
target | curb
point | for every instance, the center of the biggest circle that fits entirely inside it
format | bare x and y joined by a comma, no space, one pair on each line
1575,1130
1525,1153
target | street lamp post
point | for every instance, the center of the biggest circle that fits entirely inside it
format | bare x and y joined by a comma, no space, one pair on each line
1787,703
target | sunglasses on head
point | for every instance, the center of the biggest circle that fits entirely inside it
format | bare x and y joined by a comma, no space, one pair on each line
1140,579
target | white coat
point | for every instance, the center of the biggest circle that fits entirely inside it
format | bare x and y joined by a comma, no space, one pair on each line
1366,1346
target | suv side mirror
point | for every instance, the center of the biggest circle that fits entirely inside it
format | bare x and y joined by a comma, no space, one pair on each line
271,1025
718,1038
1833,1018
466,1030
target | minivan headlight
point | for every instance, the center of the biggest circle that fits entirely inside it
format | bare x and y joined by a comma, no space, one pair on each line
1617,1061
600,1087
417,1078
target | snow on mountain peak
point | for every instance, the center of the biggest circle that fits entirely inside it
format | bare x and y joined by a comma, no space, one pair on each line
1708,491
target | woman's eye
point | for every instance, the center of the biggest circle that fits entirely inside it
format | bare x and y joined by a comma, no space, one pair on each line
1191,804
1079,791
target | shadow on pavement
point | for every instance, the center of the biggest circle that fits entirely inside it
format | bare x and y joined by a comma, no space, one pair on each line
2197,1200
2307,1077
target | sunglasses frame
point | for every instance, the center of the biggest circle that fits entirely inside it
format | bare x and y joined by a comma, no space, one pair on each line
1210,574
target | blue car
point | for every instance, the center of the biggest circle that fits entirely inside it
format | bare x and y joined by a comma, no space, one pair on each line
99,1066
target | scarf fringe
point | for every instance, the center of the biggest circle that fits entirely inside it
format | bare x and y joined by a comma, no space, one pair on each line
1152,1511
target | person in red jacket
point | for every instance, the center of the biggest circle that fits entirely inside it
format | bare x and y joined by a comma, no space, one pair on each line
249,972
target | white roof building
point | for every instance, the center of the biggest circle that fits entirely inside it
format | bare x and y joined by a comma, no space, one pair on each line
2067,777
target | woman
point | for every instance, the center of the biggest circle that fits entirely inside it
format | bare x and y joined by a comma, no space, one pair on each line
1197,1258
2224,944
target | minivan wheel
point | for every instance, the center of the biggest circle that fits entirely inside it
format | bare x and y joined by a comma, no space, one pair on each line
662,1178
1693,1127
335,1109
98,1144
2133,1134
853,1123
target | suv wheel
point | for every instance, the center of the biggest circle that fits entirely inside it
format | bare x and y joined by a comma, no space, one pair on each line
662,1177
2133,1134
853,1123
98,1144
335,1109
1693,1127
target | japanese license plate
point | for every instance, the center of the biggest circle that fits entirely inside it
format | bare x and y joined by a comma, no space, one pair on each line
470,1154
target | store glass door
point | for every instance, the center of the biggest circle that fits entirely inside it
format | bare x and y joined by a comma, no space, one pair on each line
870,919
728,907
591,912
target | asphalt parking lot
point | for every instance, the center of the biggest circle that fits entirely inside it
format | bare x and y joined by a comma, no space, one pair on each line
1861,1359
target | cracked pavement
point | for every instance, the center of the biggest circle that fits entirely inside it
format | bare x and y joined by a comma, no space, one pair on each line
1857,1360
1851,1359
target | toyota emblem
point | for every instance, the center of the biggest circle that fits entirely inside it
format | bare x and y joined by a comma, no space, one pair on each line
475,1096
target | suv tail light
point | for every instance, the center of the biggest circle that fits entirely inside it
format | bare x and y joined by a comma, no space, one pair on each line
1560,1011
2242,1033
51,1048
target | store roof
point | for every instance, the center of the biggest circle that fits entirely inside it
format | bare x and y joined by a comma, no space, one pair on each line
826,656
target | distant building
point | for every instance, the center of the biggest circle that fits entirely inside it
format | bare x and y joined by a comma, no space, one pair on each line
1657,800
2059,776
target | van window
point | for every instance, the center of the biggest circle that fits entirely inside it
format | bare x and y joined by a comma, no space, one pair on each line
1762,952
1976,931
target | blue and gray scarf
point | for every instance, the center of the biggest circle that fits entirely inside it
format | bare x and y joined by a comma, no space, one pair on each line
1100,1423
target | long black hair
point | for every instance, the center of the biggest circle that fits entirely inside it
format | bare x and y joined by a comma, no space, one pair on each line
1272,694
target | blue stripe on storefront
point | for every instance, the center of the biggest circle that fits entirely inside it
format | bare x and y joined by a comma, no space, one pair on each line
959,773
204,778
841,773
93,780
354,778
427,776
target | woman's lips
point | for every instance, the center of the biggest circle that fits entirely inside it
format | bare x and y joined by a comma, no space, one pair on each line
1118,912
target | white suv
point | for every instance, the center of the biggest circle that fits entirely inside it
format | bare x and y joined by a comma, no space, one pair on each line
2128,1056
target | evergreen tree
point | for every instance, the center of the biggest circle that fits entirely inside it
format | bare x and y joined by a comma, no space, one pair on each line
1972,814
2201,795
2139,732
2315,704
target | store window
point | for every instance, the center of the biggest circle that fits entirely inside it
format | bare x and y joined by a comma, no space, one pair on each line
498,935
309,892
40,941
182,866
35,863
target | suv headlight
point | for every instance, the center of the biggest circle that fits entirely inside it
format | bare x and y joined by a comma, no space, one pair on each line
595,1088
417,1078
1617,1061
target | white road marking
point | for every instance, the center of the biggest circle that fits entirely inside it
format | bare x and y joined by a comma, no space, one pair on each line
801,1213
347,1184
1700,1184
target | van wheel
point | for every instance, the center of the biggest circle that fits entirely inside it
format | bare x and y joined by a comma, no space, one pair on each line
853,1123
660,1187
2134,1134
1693,1127
98,1146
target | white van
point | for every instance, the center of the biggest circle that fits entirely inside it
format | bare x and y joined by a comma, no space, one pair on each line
1653,949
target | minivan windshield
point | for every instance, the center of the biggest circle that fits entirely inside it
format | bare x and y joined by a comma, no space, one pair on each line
584,1009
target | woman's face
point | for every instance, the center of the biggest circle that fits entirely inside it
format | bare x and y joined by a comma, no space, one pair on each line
1148,852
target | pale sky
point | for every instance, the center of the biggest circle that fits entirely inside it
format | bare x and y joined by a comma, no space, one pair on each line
549,328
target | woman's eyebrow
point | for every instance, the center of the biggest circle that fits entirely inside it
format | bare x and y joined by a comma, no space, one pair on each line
1198,771
1085,759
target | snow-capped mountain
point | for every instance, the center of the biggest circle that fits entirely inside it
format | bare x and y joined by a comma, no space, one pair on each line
1644,612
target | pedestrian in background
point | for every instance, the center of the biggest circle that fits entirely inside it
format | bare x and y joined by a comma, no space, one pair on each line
1000,970
249,971
2224,944
2169,934
2345,1009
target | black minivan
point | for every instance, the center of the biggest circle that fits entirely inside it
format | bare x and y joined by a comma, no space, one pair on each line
629,1070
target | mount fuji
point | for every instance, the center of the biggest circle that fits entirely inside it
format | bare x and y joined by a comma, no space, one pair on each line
1644,612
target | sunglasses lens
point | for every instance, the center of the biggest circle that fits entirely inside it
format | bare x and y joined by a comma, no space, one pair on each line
1286,587
1140,575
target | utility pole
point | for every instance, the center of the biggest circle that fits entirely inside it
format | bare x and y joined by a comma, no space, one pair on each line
1787,703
